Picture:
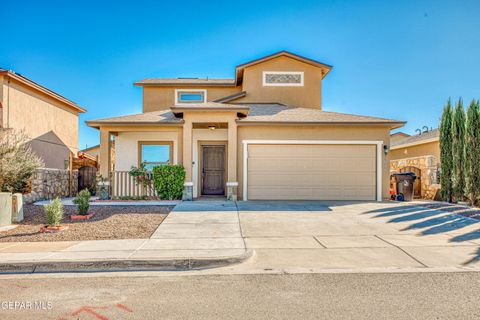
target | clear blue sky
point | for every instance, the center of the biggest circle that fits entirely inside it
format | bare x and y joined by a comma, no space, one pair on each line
399,59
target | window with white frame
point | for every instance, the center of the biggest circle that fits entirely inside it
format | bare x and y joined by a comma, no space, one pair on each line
283,78
189,96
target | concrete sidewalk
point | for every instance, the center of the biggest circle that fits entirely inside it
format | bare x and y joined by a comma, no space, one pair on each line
194,235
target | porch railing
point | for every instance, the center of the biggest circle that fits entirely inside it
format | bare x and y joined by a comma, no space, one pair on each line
124,185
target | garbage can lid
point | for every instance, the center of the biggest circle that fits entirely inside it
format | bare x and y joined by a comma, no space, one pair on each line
405,174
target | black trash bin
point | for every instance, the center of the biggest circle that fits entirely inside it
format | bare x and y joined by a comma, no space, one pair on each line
405,183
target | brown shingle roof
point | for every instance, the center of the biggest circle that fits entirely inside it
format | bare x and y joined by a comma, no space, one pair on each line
258,113
154,117
185,81
419,138
232,97
287,114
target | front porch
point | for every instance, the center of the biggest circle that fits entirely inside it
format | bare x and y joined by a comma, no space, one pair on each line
204,142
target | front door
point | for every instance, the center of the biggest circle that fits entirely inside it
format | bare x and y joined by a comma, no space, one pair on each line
213,170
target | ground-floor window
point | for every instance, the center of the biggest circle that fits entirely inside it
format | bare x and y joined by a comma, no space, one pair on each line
155,153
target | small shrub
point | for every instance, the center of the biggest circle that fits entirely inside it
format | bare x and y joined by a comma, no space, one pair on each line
53,212
168,181
82,202
17,161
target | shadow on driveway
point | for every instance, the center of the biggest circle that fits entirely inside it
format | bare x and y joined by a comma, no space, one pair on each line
431,219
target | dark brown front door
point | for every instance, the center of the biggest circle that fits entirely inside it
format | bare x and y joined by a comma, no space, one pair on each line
213,170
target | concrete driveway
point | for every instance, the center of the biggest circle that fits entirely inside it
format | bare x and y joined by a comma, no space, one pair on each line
312,236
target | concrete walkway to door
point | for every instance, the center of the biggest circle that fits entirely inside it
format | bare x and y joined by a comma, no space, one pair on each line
320,236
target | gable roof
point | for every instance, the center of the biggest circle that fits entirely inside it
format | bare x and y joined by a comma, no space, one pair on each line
35,86
426,137
240,68
238,73
271,113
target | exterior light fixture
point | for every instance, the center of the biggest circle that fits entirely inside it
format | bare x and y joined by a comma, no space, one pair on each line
211,127
385,149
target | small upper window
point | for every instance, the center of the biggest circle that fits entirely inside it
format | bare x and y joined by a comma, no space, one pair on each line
282,78
190,96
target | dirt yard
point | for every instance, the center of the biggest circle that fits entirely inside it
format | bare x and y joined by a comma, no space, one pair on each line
109,222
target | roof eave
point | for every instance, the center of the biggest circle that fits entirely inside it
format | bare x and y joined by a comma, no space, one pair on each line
98,124
412,144
44,90
140,84
392,125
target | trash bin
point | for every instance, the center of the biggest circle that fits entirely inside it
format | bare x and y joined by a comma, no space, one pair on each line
405,185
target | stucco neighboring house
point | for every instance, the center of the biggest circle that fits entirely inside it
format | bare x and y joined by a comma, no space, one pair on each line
419,154
260,135
49,120
94,153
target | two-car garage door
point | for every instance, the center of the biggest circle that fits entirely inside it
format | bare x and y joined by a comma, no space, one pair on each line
311,172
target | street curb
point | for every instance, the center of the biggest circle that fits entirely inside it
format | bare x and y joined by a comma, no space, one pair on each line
122,265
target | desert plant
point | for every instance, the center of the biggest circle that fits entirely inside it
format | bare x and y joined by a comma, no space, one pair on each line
82,202
53,212
168,181
458,150
17,161
472,152
446,154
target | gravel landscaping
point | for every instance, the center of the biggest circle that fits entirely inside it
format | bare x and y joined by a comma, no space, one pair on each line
109,222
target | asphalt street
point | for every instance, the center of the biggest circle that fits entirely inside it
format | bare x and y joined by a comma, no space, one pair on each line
258,296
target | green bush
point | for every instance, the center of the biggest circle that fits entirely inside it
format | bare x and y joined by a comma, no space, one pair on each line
53,212
168,181
82,202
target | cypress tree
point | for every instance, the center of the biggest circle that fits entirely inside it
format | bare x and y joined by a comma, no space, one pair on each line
446,155
458,150
472,152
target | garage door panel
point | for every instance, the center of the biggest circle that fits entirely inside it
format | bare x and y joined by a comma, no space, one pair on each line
312,172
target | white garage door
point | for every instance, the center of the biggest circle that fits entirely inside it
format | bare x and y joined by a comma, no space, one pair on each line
311,172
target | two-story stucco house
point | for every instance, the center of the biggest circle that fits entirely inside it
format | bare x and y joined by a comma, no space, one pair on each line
49,120
260,135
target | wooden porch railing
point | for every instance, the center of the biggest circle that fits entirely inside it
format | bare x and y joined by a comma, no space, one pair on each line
123,185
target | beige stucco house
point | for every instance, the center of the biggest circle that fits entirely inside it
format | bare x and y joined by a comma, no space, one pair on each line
49,120
261,135
419,154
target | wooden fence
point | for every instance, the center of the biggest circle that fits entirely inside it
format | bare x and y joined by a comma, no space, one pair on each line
123,185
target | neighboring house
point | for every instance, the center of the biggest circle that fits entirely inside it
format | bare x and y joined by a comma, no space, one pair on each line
260,135
93,152
398,136
49,120
419,154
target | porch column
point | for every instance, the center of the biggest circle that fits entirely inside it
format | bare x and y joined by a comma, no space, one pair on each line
232,183
104,152
187,159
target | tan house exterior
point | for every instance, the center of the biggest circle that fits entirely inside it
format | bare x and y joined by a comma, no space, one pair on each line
260,136
49,120
419,154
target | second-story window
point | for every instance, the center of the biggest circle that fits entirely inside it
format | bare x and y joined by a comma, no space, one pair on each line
283,78
187,96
